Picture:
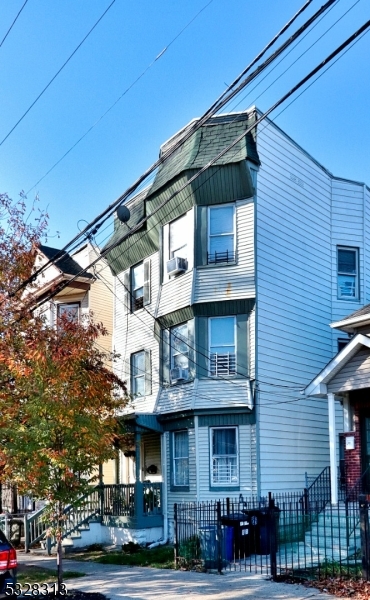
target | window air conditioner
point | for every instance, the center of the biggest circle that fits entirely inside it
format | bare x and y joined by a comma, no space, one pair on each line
178,374
176,265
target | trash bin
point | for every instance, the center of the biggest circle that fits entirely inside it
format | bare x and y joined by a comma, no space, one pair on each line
228,543
208,546
260,530
239,522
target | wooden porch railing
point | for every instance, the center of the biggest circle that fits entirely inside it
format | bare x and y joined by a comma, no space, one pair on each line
136,505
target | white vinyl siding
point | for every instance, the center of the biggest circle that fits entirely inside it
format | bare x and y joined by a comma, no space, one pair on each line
231,281
133,333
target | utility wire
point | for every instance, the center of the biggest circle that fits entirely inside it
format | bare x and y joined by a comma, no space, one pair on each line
56,74
93,225
119,98
12,25
309,76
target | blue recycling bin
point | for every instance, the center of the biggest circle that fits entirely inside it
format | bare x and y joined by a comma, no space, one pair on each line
209,547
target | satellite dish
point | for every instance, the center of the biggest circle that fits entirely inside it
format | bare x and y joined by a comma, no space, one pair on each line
123,213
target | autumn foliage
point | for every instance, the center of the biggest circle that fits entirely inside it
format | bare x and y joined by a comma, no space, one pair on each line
58,401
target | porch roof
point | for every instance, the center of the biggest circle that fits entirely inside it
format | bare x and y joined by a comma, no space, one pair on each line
319,386
142,422
357,319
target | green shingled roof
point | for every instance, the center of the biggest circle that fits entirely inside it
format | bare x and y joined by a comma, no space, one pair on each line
206,143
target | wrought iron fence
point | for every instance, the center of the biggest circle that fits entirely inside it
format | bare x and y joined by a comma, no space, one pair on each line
280,535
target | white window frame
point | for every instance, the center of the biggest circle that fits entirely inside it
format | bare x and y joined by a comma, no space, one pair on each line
178,458
189,222
68,306
172,354
231,363
234,479
135,377
133,298
356,296
232,259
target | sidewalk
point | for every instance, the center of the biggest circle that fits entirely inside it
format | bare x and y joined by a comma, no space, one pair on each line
138,583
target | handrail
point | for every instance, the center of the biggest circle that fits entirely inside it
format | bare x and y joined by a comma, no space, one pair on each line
318,494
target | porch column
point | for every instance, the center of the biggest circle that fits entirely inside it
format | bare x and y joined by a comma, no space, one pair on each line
137,457
333,450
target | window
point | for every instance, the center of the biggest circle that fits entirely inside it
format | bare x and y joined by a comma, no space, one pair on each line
348,273
222,346
137,274
136,286
224,456
221,237
179,352
178,238
70,311
138,373
342,343
180,458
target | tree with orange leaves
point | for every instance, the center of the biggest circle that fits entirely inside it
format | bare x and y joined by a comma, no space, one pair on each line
58,400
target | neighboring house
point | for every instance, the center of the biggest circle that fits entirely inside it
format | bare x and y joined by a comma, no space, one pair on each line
222,304
88,291
346,379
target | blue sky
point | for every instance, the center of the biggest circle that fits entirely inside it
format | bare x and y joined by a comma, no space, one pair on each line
330,120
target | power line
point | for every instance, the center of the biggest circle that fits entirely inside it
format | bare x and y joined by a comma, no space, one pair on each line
12,25
119,98
56,74
189,131
309,76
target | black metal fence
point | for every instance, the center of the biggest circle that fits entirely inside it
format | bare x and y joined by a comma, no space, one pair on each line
289,535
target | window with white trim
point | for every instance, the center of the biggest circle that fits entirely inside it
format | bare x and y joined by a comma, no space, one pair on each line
178,238
137,286
222,347
224,456
138,373
179,352
347,273
69,311
221,234
180,458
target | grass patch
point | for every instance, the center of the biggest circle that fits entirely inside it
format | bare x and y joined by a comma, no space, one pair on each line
161,557
33,574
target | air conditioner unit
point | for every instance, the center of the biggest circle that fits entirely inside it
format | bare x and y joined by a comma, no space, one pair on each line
178,374
176,265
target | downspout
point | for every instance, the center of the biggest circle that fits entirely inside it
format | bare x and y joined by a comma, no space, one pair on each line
333,449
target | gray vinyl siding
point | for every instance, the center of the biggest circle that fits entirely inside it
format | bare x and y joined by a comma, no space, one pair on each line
252,344
348,229
246,465
354,375
181,496
220,282
367,245
294,341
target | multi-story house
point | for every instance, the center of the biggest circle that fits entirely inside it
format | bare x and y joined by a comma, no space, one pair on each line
223,299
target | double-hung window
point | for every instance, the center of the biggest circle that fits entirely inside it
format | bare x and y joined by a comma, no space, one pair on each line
221,234
347,273
180,458
178,238
138,373
137,286
179,352
224,456
70,311
222,347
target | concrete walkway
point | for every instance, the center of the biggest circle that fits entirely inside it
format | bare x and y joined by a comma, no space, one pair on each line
137,583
